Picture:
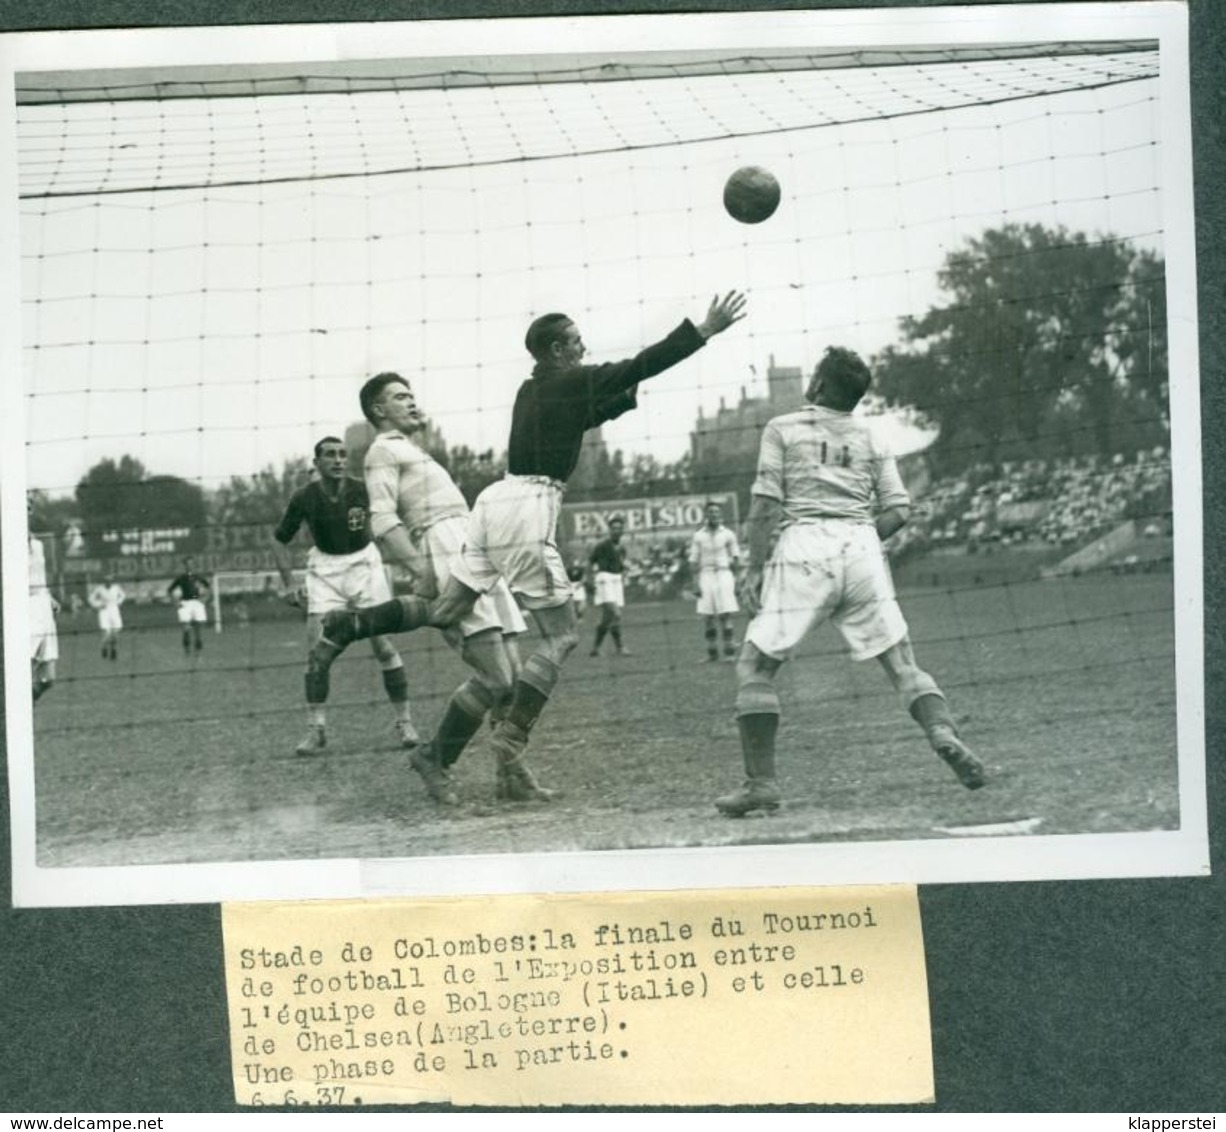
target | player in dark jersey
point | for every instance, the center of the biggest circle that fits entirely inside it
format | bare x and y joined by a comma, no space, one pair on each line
190,591
344,571
513,529
608,561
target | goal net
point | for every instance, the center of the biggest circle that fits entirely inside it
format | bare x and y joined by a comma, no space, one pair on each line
241,597
214,259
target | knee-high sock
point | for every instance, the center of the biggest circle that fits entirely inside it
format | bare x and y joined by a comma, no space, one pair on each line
532,691
400,615
396,684
462,719
315,684
758,743
757,717
931,711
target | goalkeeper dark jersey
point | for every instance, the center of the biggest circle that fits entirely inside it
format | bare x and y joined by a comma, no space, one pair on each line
189,587
609,557
556,406
338,526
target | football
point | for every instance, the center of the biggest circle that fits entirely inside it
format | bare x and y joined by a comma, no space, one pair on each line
751,195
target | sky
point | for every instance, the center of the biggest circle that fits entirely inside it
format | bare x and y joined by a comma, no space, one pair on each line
210,332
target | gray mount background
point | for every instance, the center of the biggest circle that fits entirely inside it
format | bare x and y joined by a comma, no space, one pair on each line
1069,996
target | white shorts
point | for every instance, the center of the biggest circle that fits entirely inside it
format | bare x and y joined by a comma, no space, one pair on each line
716,593
345,581
512,534
610,589
110,620
191,611
578,594
442,548
828,569
44,638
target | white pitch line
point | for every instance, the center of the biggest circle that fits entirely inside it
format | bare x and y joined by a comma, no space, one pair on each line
1022,825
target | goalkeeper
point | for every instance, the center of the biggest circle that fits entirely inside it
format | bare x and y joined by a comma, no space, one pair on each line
344,571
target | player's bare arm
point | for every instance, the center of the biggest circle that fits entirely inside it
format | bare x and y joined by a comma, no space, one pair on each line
285,568
722,313
397,548
891,521
764,516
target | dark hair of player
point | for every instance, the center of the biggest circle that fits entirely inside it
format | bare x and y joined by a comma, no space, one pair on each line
325,440
840,380
373,390
544,332
617,521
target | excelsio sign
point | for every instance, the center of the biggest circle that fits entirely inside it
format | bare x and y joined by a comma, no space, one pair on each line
647,520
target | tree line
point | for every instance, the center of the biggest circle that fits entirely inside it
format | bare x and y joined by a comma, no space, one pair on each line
1049,343
1044,343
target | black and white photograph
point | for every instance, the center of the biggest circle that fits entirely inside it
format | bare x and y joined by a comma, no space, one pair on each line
607,453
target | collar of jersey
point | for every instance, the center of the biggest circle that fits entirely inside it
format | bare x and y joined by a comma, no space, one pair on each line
544,369
828,409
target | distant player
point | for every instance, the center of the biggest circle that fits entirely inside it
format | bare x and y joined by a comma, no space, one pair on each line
608,562
420,517
106,598
823,477
344,571
513,532
578,588
44,639
190,591
714,557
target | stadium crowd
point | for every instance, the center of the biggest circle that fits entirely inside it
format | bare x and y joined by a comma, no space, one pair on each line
1041,502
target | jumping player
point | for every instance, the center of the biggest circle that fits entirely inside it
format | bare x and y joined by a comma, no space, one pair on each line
513,531
190,591
714,557
608,562
344,571
44,638
107,597
820,471
420,517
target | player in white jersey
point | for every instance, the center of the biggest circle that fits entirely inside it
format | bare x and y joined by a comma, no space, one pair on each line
107,597
824,479
578,588
714,557
44,639
419,518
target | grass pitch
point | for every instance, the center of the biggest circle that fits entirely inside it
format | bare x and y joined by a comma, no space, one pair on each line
1066,689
